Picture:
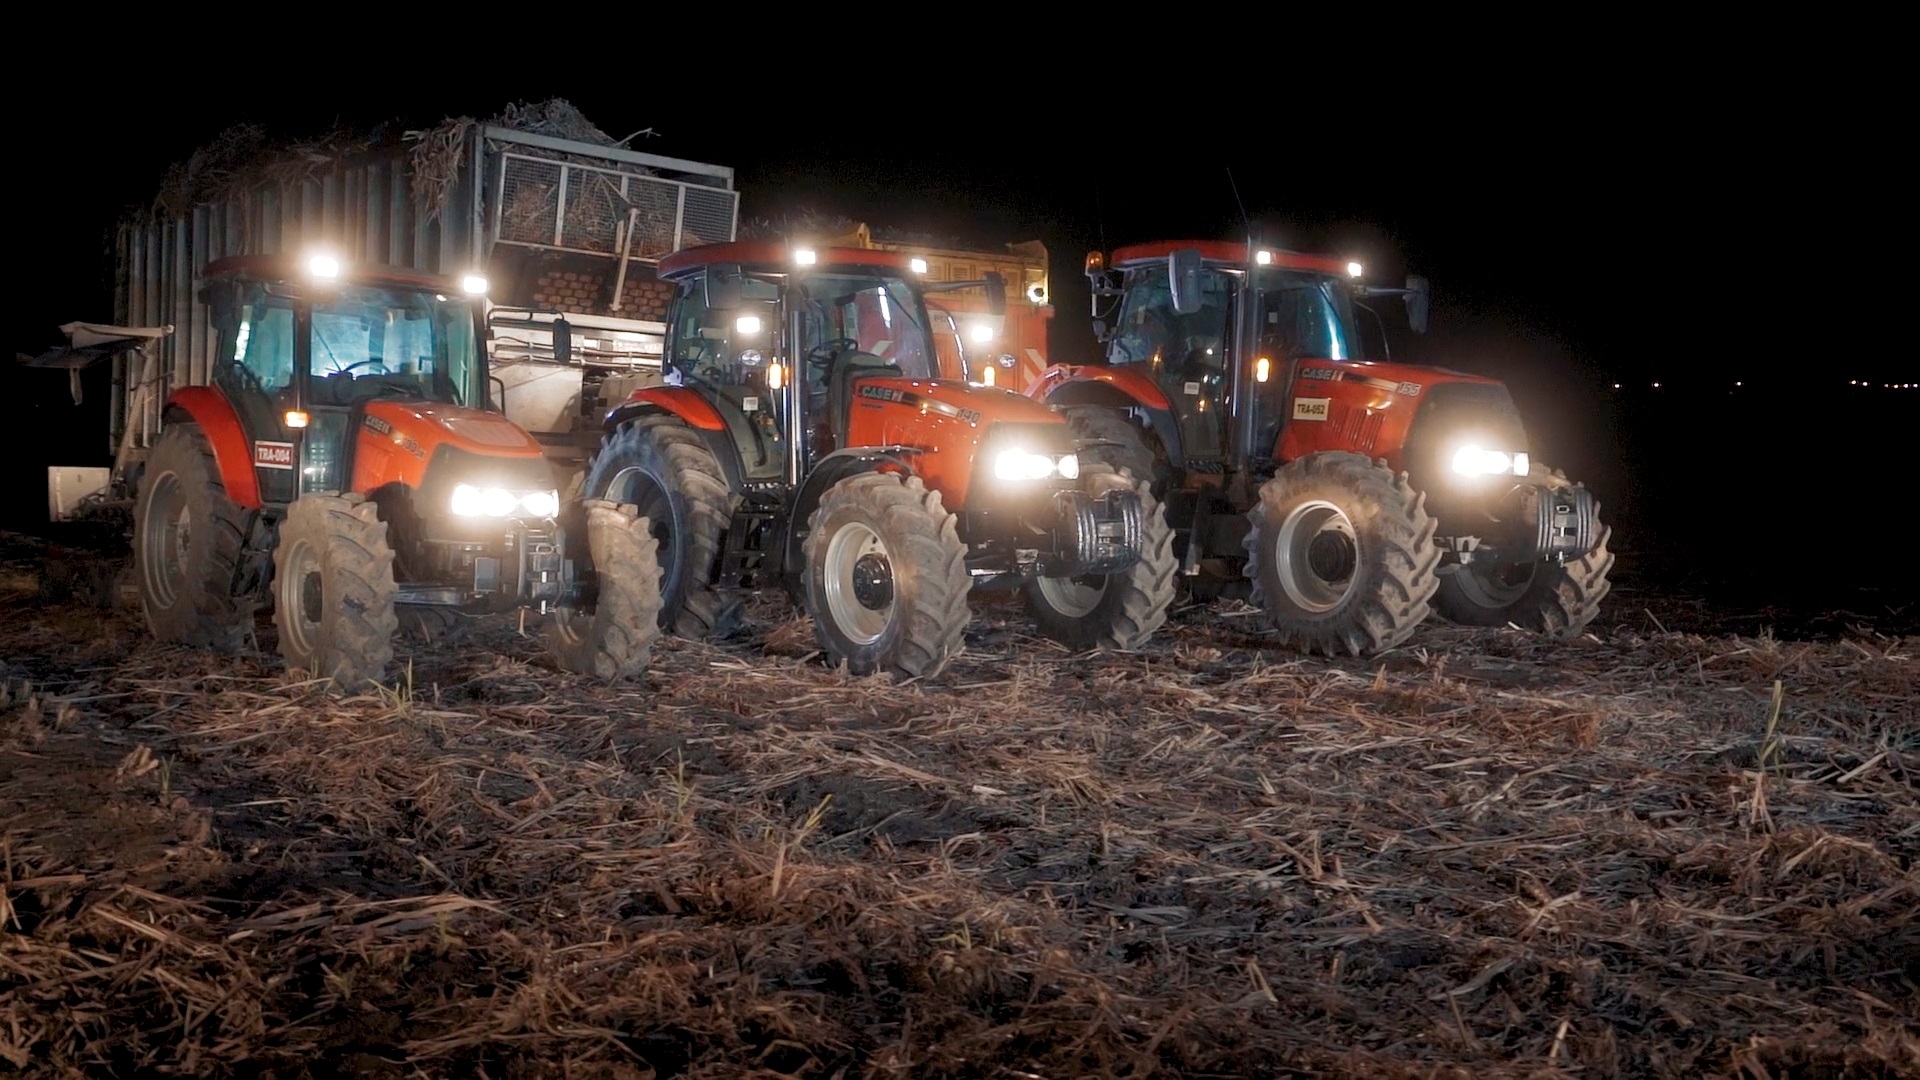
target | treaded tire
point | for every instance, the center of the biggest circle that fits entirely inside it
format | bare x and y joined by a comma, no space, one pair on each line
186,592
615,640
1389,555
1127,448
1128,606
333,590
919,629
1556,600
658,465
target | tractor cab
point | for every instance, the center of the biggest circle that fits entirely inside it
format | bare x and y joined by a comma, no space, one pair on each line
304,349
778,348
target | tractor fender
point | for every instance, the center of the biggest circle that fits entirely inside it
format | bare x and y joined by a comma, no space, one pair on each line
1134,387
1120,394
678,400
693,410
208,408
829,471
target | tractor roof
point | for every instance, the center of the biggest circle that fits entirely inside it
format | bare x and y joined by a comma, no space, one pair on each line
1229,252
289,268
763,256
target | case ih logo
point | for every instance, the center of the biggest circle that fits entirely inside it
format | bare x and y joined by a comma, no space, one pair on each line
273,455
1310,408
1319,373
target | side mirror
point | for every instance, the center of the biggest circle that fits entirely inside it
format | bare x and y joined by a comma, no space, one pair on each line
1183,277
1418,292
722,284
996,293
562,341
1100,330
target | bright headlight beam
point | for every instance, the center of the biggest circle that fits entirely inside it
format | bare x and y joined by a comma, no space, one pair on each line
470,501
1022,465
1474,461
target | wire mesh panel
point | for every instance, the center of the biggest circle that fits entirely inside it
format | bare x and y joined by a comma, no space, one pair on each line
659,206
596,206
581,208
708,216
529,205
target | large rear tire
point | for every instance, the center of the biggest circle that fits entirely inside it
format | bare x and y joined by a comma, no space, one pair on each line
1557,600
886,576
1341,555
659,466
189,540
613,637
333,590
1111,611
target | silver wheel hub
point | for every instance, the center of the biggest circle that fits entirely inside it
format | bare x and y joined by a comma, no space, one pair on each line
859,583
1316,556
302,598
1073,597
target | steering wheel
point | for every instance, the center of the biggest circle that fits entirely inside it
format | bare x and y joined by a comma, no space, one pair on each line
361,364
823,354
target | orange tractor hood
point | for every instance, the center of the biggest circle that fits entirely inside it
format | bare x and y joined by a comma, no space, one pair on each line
472,430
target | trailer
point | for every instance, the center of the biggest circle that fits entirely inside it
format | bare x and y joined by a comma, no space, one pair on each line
566,230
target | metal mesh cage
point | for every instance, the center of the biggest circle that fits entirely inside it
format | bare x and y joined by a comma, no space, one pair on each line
529,199
708,216
581,208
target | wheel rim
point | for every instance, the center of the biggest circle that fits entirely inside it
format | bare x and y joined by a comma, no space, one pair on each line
569,619
302,598
632,486
1316,556
1074,597
163,550
1496,585
859,583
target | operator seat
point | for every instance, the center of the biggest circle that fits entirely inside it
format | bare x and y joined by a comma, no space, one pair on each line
848,369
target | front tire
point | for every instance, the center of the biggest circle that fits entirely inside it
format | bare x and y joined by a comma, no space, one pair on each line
658,465
1341,555
1557,600
613,640
333,590
1111,611
189,543
1117,443
886,576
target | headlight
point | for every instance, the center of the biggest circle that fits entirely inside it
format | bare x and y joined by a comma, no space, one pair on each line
1473,461
1024,466
470,501
1070,466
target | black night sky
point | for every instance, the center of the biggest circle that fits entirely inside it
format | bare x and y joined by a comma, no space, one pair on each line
1577,236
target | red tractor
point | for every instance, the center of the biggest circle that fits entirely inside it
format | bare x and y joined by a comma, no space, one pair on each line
340,466
805,440
1357,495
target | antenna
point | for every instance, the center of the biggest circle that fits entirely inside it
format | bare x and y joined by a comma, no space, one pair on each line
1244,219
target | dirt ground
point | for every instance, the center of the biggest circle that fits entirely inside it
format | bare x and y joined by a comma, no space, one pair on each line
1683,845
